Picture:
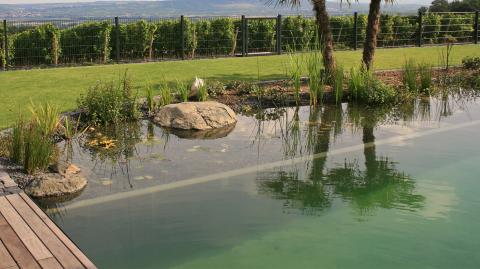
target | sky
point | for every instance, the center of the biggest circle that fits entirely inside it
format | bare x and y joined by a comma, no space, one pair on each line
424,2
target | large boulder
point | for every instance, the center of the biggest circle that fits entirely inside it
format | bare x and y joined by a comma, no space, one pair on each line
57,184
195,116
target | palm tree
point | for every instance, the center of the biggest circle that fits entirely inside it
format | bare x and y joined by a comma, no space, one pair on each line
373,27
323,26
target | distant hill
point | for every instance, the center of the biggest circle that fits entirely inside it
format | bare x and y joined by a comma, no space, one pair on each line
175,8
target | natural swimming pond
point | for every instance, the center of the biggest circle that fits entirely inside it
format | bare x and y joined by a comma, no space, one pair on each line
333,187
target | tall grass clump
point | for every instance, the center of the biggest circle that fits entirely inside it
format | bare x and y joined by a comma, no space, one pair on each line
150,101
313,61
165,94
410,75
295,73
182,90
364,87
425,72
32,143
202,94
46,117
110,102
339,78
356,83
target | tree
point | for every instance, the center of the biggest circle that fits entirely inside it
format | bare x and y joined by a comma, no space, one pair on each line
324,31
439,6
373,27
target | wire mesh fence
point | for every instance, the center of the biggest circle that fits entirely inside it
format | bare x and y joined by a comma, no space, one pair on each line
32,43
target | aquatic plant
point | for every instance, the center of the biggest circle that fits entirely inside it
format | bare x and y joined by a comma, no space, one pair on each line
109,102
366,88
46,117
202,93
182,90
425,73
338,84
295,73
165,94
150,101
17,146
356,82
313,61
410,75
38,148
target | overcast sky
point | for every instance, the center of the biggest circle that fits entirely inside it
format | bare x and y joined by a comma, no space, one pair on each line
70,1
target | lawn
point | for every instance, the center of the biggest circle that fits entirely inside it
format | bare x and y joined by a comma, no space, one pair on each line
62,86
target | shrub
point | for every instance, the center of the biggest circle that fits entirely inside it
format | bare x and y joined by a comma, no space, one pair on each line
471,63
77,44
40,45
215,88
410,75
109,103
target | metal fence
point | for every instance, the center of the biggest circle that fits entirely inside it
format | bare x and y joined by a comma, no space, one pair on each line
25,44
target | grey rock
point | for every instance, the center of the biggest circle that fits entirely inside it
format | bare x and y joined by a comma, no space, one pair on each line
195,116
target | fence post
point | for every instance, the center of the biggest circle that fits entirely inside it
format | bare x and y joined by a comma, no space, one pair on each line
182,36
117,40
243,36
5,43
246,37
279,34
475,32
420,29
355,30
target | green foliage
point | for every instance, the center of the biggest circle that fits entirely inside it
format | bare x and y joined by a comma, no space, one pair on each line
165,94
46,118
471,63
295,73
76,42
183,90
109,103
313,61
32,143
149,98
39,45
338,82
202,93
215,88
364,87
410,76
425,72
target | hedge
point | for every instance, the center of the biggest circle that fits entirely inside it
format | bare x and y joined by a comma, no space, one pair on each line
95,42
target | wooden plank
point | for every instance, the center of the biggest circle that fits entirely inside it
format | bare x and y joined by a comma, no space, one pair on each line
26,235
17,249
7,180
50,263
6,260
64,256
68,243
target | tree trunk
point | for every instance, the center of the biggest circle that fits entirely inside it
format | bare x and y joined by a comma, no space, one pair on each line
325,35
373,27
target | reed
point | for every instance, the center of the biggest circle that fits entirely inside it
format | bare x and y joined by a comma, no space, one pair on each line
313,62
425,73
410,76
202,93
165,94
46,117
295,73
182,90
149,98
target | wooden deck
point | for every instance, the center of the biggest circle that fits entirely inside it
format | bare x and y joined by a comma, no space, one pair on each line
28,238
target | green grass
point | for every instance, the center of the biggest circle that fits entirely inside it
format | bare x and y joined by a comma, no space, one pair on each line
62,86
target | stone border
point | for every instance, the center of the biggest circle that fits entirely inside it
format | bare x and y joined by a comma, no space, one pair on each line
7,185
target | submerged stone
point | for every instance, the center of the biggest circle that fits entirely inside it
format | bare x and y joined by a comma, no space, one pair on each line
57,184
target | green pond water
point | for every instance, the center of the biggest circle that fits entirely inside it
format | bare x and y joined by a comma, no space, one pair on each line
336,187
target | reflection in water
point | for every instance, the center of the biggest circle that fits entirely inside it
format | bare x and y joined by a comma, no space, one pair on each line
379,184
